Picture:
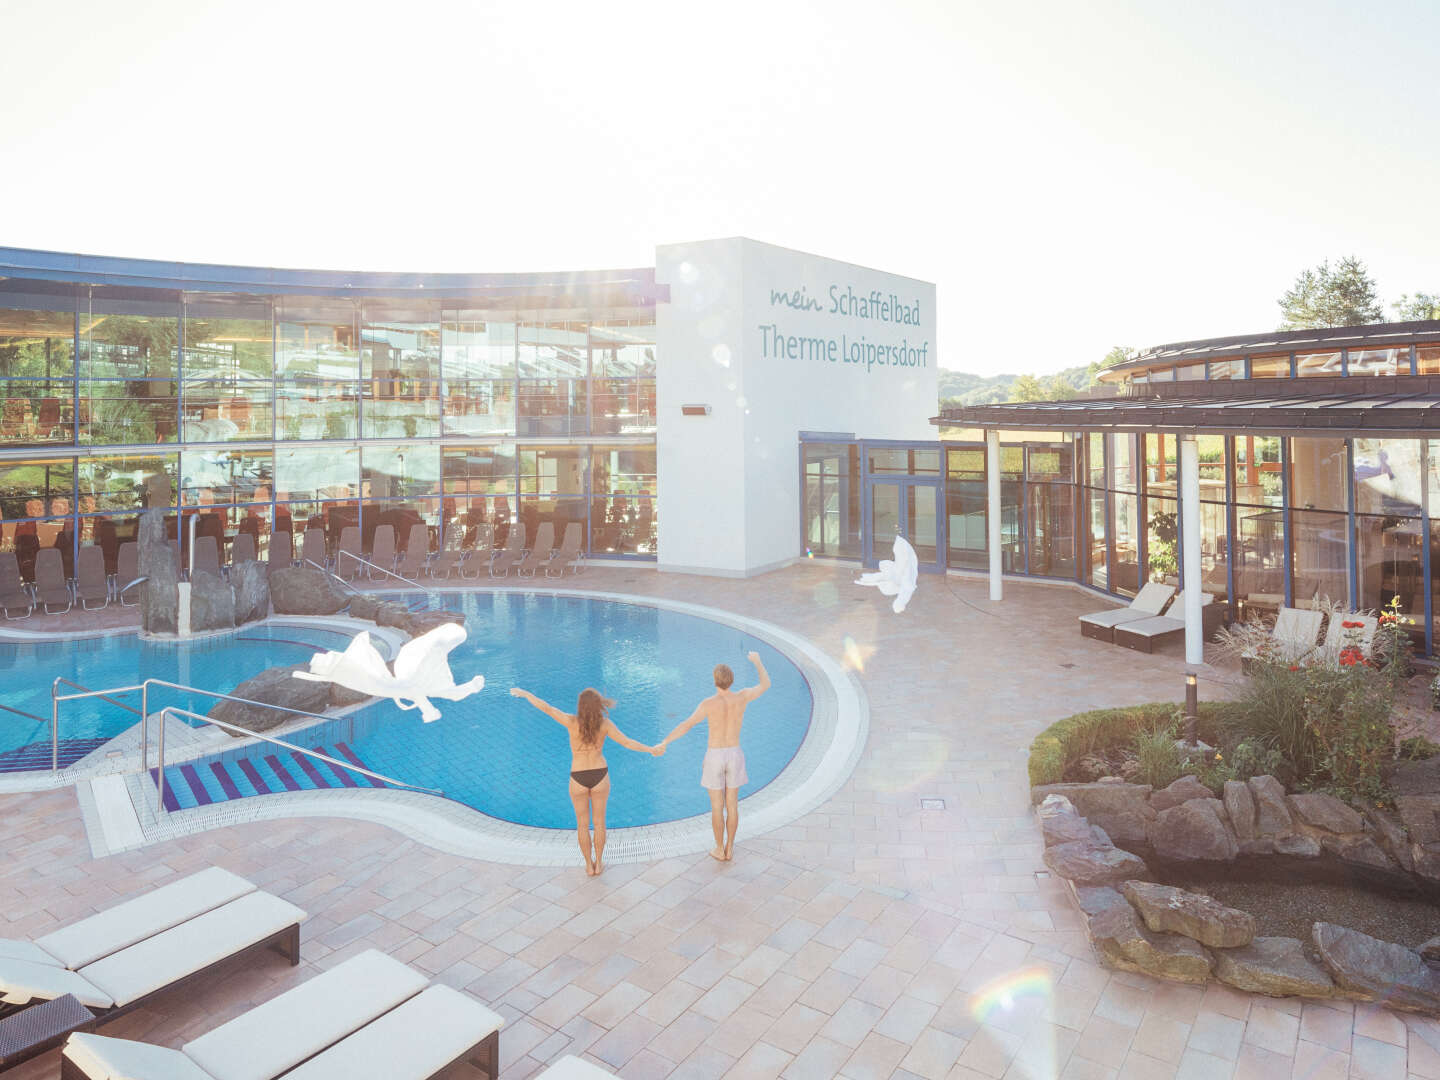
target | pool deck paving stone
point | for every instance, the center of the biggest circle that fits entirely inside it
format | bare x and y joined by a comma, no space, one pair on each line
851,942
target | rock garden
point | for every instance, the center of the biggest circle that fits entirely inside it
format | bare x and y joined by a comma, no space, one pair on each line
1293,848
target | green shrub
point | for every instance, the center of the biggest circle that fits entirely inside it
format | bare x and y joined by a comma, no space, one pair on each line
1272,711
1416,749
1056,749
1158,760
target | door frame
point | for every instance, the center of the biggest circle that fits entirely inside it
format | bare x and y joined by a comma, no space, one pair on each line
905,486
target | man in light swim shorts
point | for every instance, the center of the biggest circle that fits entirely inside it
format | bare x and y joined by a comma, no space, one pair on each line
724,769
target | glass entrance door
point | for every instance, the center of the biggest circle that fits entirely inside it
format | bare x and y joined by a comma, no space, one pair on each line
908,507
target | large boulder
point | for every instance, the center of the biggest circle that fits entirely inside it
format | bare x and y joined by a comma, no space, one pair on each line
363,607
1325,812
299,590
1273,965
212,602
1181,791
160,595
1421,816
1086,863
273,686
1167,909
1296,844
1123,943
1390,836
1358,850
424,621
1060,823
1193,831
1272,815
1378,970
251,581
1240,807
391,613
1093,899
1122,810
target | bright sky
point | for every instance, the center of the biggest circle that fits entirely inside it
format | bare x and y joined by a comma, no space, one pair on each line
1070,175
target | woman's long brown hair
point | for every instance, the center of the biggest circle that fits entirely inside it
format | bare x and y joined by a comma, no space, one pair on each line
592,711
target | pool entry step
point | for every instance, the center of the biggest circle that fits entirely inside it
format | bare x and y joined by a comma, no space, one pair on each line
202,783
36,755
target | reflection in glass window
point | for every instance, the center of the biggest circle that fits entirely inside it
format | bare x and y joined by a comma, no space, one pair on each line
1259,560
1122,462
1049,463
1308,365
623,526
1227,369
1388,476
1379,361
1052,530
128,412
1272,366
36,411
126,337
36,342
1427,362
554,350
226,476
316,337
476,346
1317,474
550,470
479,406
550,407
1389,562
228,338
400,471
1319,558
1257,470
623,348
227,410
127,481
965,462
913,462
316,472
316,410
622,470
831,511
1098,569
400,367
1162,464
1190,372
1162,540
480,469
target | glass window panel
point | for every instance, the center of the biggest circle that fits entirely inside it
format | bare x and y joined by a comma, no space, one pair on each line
560,511
916,462
1272,366
1308,365
1125,571
619,406
1427,360
226,476
1214,558
228,339
622,526
1164,374
1122,462
553,350
36,411
965,463
1388,476
401,515
1317,474
128,412
35,489
832,499
26,537
316,337
622,470
1319,557
108,532
1052,530
620,348
401,409
36,343
479,469
475,346
400,471
400,367
550,407
128,481
1098,570
1259,560
473,516
965,504
1012,540
1227,369
1379,361
1258,470
551,470
1012,462
224,410
1049,463
1210,449
479,406
316,410
1389,558
317,472
1190,372
1162,541
127,334
1096,454
1162,464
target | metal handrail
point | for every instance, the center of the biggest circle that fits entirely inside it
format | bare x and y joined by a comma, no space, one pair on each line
377,566
176,710
55,700
330,573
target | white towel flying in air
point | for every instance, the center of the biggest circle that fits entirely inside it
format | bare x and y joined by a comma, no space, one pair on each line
422,670
896,578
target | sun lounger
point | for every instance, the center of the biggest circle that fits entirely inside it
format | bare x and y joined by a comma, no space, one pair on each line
540,554
369,1018
478,561
567,555
417,553
91,588
127,569
571,1067
205,556
118,960
51,588
349,568
445,564
242,548
1148,601
1338,636
513,551
382,552
312,548
282,549
1294,635
14,596
1143,635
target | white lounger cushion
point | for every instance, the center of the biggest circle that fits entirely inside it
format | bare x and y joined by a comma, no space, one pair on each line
1116,617
135,920
102,1058
417,1039
12,949
185,949
1155,625
21,982
571,1067
298,1024
1150,600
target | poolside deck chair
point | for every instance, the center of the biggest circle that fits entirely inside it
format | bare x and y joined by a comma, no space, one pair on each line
1143,635
370,1016
312,548
51,588
568,554
242,548
122,958
1294,635
382,552
571,1067
477,561
349,568
282,549
91,587
1338,636
417,553
205,556
127,569
513,551
1149,601
14,596
445,563
540,554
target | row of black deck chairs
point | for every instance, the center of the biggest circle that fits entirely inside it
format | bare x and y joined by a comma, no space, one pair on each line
382,561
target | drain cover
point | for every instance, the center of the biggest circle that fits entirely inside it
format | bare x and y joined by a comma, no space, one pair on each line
1067,665
932,804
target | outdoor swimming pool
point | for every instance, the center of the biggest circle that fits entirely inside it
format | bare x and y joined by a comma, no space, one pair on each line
495,753
27,671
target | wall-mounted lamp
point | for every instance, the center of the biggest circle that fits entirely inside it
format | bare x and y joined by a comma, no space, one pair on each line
694,410
1192,707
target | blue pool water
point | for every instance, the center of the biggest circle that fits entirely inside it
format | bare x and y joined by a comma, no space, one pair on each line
499,755
27,671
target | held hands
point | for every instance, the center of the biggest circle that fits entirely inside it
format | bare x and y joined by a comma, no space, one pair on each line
753,657
515,691
658,750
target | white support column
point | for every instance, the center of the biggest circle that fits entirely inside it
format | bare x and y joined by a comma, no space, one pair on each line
992,509
1190,549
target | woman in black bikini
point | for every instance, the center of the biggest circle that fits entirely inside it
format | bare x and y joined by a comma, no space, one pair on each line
589,775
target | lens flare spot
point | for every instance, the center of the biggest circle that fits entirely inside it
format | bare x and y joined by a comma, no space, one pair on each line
854,654
721,355
689,273
1010,991
825,594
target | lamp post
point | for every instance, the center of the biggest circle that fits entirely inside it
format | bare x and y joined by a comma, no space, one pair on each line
1192,708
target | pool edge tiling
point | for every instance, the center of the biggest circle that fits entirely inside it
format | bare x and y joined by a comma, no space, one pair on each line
828,754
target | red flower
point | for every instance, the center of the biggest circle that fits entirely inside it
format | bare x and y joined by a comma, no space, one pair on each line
1294,667
1353,625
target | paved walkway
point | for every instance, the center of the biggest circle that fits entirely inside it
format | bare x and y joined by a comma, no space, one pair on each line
872,938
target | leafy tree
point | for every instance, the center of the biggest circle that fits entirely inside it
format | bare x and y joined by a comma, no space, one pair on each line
1028,388
1117,355
1322,297
1418,307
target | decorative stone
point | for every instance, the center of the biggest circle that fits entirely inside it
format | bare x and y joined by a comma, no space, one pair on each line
1086,864
1059,821
160,594
274,686
363,607
389,613
1181,791
1391,837
1095,899
1325,812
251,582
1121,809
212,602
1193,830
1421,816
425,621
1123,943
1167,909
1303,847
299,590
1429,952
1273,965
1358,850
341,696
1272,816
1240,805
1378,970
